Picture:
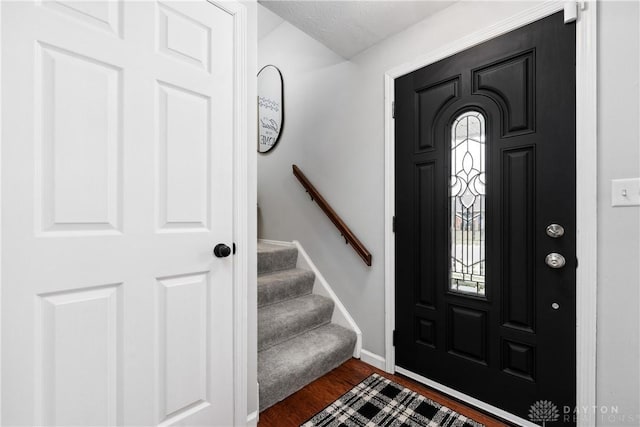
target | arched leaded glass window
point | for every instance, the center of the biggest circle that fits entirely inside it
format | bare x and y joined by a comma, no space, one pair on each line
467,197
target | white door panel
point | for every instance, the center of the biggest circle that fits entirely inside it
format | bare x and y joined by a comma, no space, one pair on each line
117,184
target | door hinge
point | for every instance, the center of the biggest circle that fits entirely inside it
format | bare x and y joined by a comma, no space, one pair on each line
394,337
393,224
576,262
234,249
393,109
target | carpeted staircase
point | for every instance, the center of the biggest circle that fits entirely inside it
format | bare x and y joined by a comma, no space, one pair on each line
297,342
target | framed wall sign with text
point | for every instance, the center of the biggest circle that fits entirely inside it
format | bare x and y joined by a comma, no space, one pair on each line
270,107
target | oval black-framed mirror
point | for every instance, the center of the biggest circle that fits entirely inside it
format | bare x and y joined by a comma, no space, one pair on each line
270,107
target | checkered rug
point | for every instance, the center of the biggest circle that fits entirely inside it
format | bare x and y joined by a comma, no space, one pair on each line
377,401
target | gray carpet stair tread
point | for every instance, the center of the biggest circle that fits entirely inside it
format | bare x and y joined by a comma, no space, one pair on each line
284,285
282,321
276,257
289,366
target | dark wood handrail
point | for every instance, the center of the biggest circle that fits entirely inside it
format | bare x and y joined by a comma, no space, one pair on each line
333,216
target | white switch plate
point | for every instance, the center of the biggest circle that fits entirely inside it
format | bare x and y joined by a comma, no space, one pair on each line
625,192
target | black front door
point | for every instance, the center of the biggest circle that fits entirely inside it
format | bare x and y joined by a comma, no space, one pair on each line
485,216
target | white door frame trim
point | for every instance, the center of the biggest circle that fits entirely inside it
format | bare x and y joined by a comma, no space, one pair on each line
586,183
1,144
241,211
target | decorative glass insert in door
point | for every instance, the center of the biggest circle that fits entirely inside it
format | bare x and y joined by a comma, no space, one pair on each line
467,198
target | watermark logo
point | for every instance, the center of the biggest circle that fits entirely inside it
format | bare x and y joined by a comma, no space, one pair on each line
543,411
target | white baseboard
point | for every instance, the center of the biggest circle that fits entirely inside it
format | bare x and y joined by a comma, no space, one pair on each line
275,242
252,419
372,359
321,287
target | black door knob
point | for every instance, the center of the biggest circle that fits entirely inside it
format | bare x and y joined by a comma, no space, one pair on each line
221,250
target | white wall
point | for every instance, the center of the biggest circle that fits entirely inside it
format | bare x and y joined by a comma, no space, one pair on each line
334,131
618,358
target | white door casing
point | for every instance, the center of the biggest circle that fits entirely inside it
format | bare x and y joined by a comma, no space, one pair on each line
118,129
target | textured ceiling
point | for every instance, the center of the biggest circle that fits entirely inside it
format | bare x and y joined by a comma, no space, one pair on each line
350,27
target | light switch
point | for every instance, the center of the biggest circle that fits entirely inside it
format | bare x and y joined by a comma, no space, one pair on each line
625,192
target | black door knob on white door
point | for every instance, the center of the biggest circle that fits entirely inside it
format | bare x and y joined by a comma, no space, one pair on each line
221,250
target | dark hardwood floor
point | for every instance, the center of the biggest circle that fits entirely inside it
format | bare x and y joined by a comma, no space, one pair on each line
305,403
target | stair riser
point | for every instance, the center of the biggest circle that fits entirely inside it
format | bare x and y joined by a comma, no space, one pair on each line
284,287
281,374
276,326
277,260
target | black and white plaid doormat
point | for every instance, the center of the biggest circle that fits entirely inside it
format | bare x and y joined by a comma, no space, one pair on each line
377,401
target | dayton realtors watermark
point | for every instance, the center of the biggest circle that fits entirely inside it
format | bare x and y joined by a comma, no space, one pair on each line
545,411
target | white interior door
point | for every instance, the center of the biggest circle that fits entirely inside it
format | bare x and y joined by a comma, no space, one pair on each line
117,146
